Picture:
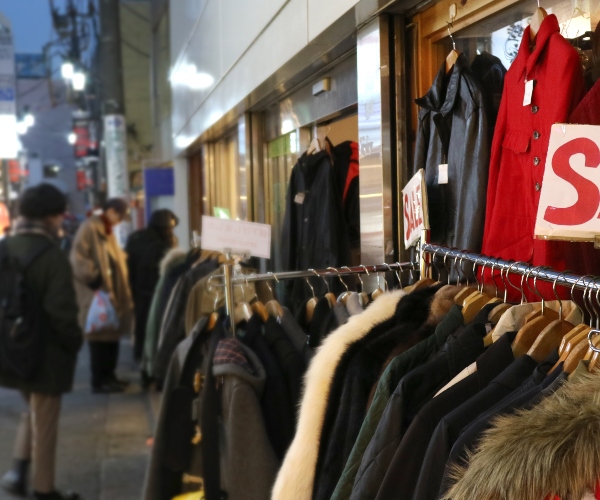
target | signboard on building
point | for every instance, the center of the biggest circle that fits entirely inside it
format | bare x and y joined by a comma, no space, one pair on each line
9,145
414,209
31,66
115,143
569,204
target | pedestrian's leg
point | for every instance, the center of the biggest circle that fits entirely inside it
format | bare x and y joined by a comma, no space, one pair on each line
113,359
96,363
15,480
45,412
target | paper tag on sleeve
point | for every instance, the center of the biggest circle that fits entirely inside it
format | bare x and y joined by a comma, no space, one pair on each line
443,173
528,92
299,198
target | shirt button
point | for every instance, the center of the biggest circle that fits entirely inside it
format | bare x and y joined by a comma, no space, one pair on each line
536,135
534,109
538,186
536,161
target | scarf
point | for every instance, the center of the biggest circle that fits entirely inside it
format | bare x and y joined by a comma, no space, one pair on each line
32,226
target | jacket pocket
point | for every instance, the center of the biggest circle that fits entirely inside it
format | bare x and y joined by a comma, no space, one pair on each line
516,141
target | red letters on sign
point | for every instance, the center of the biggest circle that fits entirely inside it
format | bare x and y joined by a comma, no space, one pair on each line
588,195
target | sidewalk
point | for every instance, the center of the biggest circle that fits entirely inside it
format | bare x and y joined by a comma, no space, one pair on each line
102,450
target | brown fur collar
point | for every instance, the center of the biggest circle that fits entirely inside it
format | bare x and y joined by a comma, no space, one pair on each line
553,448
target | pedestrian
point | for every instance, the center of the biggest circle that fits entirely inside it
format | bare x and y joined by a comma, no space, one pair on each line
99,264
145,250
48,277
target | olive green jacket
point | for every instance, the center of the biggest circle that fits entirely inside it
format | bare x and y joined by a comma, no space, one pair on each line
51,276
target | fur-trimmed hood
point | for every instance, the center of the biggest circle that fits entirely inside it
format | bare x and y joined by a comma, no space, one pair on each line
551,449
296,476
169,258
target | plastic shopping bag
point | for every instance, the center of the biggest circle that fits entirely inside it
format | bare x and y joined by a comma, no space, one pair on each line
102,315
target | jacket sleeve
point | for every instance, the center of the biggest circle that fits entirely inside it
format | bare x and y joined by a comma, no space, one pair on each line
59,300
85,268
474,161
249,465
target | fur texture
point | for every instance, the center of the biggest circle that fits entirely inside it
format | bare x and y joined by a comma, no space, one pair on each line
296,476
552,448
171,255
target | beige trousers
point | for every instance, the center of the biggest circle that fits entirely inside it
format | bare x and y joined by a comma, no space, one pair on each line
37,438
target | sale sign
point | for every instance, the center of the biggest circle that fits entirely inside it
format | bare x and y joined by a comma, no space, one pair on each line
570,198
414,202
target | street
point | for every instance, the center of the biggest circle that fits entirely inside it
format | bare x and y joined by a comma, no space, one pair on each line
102,448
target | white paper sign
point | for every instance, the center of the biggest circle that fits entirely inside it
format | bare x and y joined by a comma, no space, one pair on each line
236,236
416,215
570,198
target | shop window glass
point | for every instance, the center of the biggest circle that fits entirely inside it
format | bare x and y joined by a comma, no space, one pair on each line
501,34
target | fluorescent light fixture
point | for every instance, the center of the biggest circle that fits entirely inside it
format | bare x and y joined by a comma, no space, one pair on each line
67,70
188,75
79,80
72,138
183,141
22,128
29,120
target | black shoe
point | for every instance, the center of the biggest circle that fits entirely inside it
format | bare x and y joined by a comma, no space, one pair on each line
56,495
15,480
108,388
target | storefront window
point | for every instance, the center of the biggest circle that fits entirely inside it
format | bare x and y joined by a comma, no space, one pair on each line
500,34
282,154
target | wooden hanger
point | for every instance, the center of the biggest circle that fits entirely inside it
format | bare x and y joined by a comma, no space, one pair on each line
594,358
527,335
311,304
548,339
363,297
212,321
314,147
454,54
379,292
575,343
329,296
571,335
574,357
343,298
273,307
536,22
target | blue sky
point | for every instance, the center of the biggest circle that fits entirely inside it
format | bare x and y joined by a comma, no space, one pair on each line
32,24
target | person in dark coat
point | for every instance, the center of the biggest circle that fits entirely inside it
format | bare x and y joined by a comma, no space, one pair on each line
145,249
41,210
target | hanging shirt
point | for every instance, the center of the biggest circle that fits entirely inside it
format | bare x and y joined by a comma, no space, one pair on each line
521,142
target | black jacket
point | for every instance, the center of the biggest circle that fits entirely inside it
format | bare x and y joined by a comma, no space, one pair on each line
314,231
453,129
357,371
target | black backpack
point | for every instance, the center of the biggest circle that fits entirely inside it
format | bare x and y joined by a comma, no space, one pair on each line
23,329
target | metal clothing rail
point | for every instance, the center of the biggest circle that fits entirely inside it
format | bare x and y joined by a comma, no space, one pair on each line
585,283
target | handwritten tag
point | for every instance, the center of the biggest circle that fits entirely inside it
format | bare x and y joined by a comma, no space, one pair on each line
443,174
236,236
528,92
299,198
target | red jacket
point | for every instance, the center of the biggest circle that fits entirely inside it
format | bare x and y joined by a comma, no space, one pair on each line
521,141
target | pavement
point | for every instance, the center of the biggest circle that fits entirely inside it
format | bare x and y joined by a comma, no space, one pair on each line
103,445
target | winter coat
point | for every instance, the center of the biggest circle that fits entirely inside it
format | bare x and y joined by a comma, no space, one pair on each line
91,256
296,476
453,129
314,231
550,449
172,260
145,249
50,275
521,143
359,369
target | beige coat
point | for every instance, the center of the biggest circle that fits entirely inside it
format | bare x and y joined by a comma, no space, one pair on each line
90,259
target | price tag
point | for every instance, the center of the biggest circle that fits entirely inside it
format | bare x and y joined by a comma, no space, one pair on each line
299,198
236,236
569,204
443,174
415,212
528,92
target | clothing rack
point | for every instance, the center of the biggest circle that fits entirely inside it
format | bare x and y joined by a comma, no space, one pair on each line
567,279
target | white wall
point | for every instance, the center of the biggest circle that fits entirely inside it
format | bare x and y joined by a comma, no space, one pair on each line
221,50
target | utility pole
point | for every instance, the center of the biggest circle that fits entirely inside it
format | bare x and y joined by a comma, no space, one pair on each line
111,64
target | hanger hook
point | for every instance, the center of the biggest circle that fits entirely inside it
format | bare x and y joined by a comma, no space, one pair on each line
398,275
311,288
340,278
322,277
494,279
450,23
387,287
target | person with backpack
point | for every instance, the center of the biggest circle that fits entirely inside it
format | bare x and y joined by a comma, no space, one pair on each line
100,265
39,336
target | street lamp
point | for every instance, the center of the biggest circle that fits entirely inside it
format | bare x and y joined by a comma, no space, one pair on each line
29,120
72,138
79,81
67,70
